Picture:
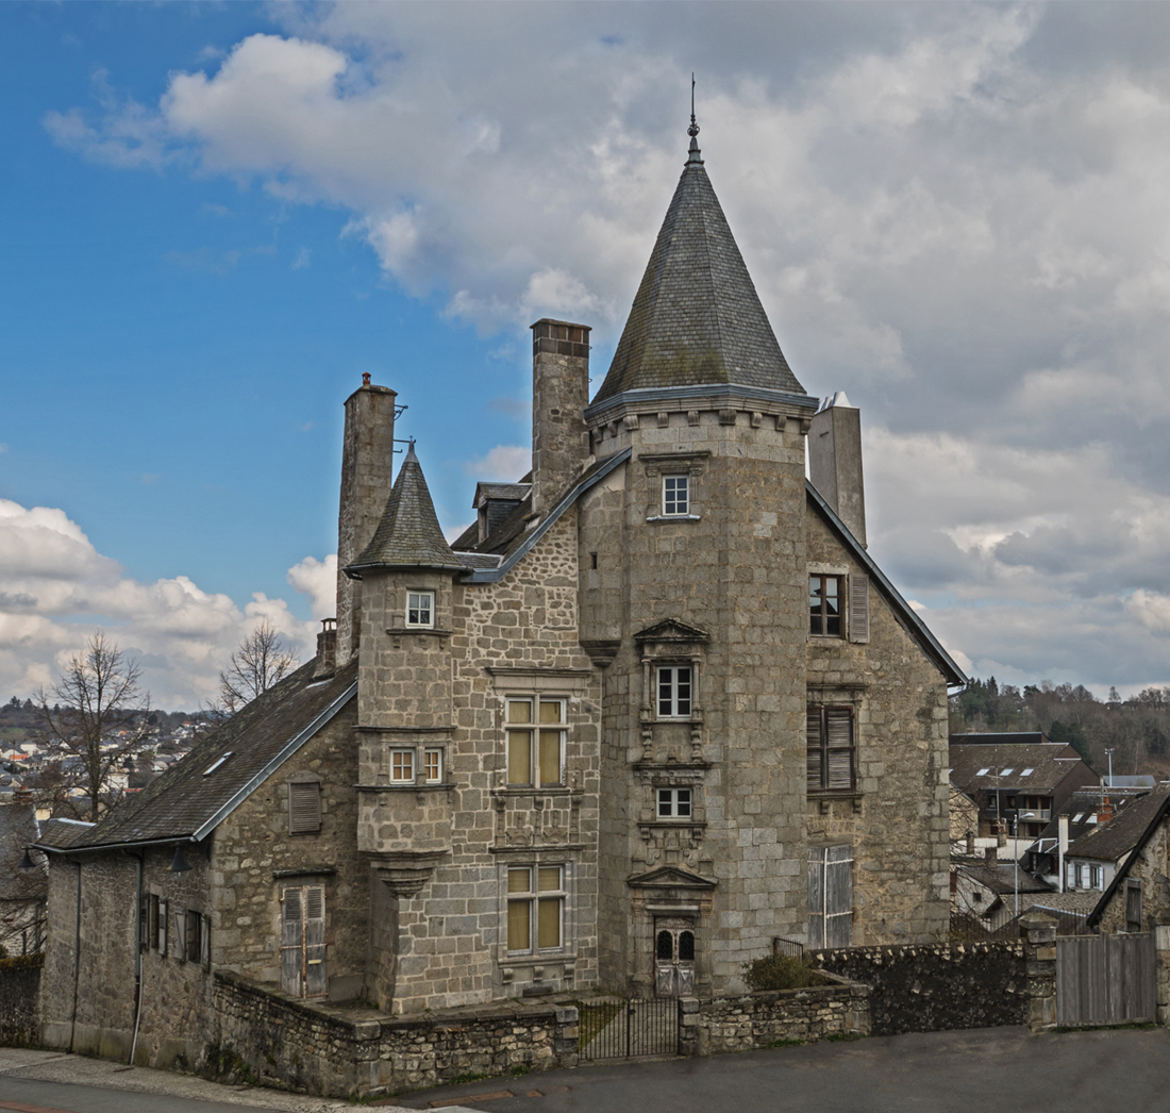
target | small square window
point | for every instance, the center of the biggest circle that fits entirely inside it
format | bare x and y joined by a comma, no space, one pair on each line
674,803
432,766
401,766
674,691
420,608
676,495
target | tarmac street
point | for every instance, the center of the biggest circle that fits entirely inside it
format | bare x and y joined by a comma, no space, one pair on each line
1107,1071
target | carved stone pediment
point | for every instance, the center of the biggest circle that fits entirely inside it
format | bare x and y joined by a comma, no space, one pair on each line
671,630
670,877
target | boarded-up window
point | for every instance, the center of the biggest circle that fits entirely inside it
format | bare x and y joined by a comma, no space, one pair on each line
304,807
302,941
1133,906
830,747
830,896
858,608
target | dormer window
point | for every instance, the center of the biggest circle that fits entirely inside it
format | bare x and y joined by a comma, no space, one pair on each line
420,608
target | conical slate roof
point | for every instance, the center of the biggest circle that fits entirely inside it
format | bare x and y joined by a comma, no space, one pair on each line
408,535
696,319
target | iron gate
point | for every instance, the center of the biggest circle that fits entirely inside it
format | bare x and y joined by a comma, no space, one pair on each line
628,1028
1105,979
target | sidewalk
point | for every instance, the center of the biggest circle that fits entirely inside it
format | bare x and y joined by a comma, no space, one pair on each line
54,1066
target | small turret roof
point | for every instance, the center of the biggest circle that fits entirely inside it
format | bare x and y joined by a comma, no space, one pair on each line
696,318
408,535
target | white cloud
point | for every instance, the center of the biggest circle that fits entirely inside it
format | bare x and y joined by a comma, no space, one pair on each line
506,463
318,580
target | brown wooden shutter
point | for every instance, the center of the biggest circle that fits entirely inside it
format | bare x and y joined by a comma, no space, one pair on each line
839,746
858,608
304,807
814,746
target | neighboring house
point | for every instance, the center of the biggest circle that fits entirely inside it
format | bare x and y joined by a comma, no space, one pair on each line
964,821
1093,860
657,708
1016,778
22,890
991,892
1138,897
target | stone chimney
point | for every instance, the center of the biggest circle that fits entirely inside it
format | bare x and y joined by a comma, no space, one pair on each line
834,460
326,649
367,472
560,392
989,855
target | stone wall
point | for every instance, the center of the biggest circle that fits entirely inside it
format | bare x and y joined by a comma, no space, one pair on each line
20,983
938,987
768,1018
268,1038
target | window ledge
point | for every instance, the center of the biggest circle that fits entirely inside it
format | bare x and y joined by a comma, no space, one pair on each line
408,786
433,631
533,790
673,518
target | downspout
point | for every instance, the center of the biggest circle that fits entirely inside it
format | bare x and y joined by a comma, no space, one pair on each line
76,960
138,940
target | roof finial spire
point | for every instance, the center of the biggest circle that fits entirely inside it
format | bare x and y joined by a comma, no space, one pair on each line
693,131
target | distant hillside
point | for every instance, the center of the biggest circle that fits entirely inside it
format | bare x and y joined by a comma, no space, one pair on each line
1137,729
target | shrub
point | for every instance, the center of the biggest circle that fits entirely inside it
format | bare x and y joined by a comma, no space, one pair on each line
780,972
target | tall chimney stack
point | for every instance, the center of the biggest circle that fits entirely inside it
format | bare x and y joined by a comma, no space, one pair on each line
560,391
834,460
367,473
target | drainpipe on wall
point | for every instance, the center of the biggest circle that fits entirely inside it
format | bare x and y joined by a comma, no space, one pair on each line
1061,848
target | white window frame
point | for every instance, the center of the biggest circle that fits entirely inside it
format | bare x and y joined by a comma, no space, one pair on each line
533,729
674,803
532,896
676,494
398,776
673,704
420,605
435,752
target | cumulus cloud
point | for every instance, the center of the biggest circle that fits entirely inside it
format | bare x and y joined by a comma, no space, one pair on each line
956,212
506,463
58,589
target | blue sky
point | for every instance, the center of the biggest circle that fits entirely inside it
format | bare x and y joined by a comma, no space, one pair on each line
217,216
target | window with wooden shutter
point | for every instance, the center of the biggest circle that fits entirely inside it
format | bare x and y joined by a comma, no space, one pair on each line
304,807
858,608
302,941
830,748
162,927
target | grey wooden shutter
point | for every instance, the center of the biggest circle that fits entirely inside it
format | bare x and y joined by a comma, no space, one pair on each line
816,896
181,934
304,807
858,607
205,941
839,747
315,982
291,942
838,895
162,927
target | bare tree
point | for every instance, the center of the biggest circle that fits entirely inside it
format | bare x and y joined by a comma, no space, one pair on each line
261,661
99,714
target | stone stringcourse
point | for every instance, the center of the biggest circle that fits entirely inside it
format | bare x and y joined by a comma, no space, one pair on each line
937,987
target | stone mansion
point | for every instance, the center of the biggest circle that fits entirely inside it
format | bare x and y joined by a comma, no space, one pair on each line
655,710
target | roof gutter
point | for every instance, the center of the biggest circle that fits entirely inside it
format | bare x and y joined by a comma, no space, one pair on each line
135,845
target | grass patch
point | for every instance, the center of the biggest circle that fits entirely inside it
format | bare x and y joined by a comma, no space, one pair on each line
780,972
591,1019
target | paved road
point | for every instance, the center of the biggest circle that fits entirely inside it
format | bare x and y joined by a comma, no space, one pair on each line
1005,1069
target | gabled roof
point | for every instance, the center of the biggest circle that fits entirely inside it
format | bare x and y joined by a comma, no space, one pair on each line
696,318
1160,797
1037,767
408,536
905,614
1109,842
197,793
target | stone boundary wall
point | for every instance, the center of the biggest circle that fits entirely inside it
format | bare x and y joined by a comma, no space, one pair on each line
268,1038
20,1014
937,987
770,1017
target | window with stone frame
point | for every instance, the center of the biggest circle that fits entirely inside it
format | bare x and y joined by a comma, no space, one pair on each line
830,743
676,495
673,803
674,691
402,765
536,729
432,765
304,807
535,908
420,608
825,598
